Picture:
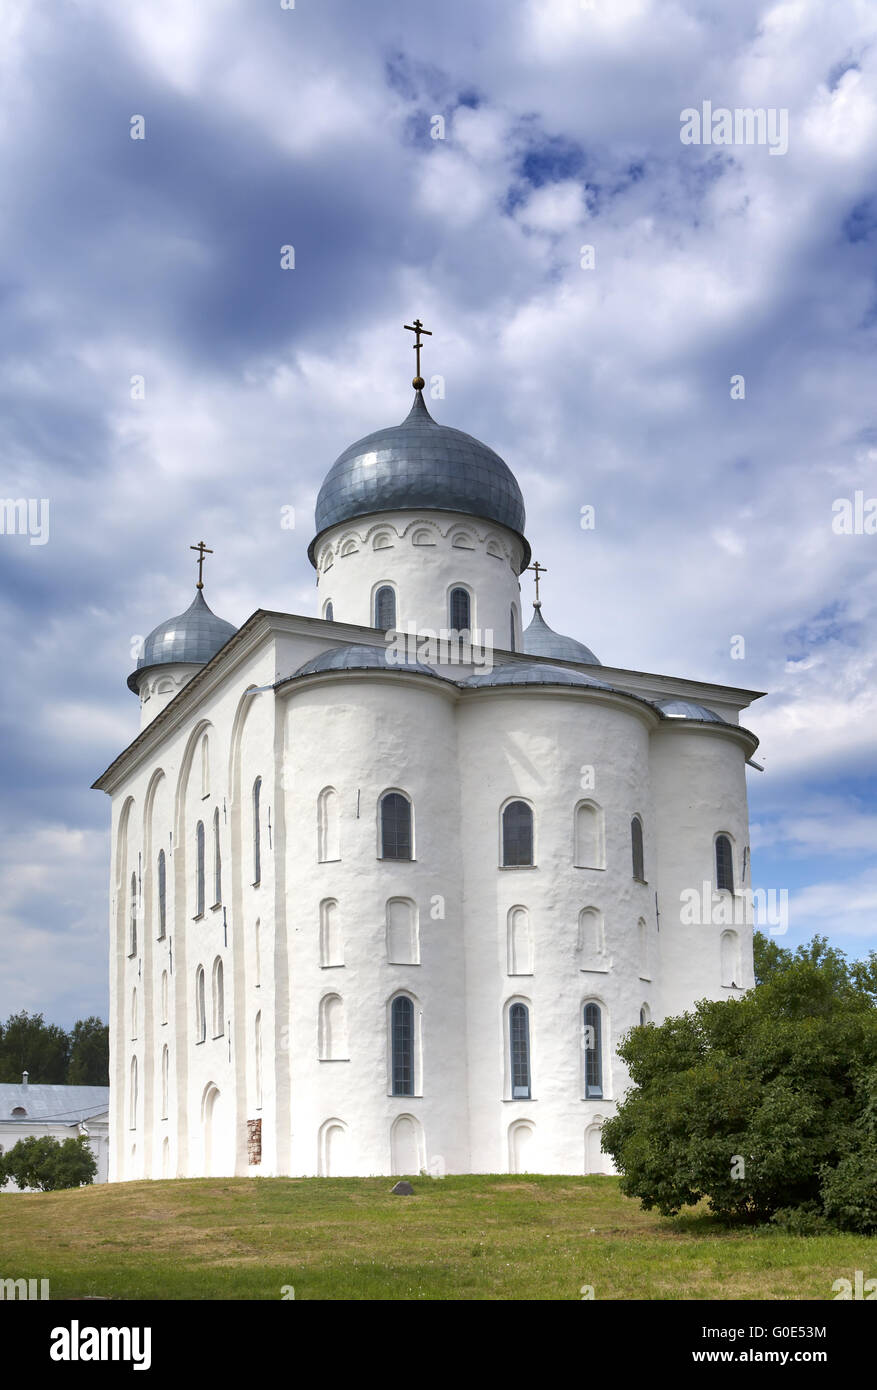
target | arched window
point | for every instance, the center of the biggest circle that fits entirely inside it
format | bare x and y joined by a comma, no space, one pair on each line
133,1094
199,869
257,933
395,826
328,828
724,864
218,999
200,1006
512,628
257,1049
333,1029
403,945
165,1080
257,832
645,1015
593,1046
730,952
517,835
519,1046
133,1013
132,942
402,1034
331,943
636,848
329,612
385,608
519,943
217,861
589,840
164,996
162,895
460,610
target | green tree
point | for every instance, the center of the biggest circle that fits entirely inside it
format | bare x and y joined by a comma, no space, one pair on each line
48,1164
28,1044
89,1054
760,1104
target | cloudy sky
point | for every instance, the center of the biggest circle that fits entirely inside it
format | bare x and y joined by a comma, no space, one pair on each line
607,385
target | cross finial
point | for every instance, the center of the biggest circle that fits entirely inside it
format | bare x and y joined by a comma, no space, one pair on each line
537,570
417,327
202,551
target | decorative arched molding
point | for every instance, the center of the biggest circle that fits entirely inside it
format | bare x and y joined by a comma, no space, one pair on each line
193,742
328,826
519,941
332,1149
589,835
407,1146
521,1134
403,932
729,952
331,936
333,1045
591,942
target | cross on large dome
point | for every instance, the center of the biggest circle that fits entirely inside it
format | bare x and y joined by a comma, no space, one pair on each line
419,465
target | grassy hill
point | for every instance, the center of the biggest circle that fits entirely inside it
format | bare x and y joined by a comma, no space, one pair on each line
494,1237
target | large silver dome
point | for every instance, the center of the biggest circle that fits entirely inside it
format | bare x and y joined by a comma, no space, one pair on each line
419,466
541,640
191,638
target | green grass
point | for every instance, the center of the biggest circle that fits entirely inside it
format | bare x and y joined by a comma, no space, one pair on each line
493,1237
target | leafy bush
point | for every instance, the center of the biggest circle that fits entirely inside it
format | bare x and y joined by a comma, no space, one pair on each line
48,1164
764,1104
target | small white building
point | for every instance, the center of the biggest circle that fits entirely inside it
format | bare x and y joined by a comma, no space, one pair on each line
61,1112
374,915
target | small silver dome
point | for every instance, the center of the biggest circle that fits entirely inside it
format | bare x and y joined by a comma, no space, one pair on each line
541,640
359,658
687,709
416,466
533,673
194,637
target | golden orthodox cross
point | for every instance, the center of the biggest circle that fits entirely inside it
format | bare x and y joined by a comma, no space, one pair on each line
417,327
202,551
537,570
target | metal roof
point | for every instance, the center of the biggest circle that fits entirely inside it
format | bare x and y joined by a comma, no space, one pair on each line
420,465
542,640
61,1104
688,709
192,637
531,673
359,658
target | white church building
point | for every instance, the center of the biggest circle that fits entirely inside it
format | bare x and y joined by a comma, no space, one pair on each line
373,914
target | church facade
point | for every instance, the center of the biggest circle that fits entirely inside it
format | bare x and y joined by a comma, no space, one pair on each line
389,883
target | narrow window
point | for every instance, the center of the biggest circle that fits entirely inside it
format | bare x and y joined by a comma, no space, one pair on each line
645,1015
517,835
133,922
217,861
512,628
218,999
724,864
643,935
258,952
164,996
200,1006
460,610
162,895
257,833
133,1013
199,869
519,1041
636,847
395,826
165,1077
593,1052
329,613
402,1030
385,608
